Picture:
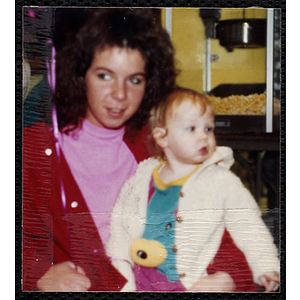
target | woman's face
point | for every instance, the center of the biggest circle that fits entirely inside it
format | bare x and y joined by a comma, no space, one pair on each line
115,86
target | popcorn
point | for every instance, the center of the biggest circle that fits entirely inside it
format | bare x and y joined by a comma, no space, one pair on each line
254,104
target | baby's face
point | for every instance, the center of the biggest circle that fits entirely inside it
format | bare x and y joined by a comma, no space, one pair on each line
191,138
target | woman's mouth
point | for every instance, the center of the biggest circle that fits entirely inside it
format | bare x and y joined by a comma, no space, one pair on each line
115,112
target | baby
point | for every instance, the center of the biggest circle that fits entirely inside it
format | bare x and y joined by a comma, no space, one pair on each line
170,217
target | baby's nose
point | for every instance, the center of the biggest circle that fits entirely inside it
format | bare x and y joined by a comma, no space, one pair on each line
203,135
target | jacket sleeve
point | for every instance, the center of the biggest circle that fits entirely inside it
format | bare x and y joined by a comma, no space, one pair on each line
248,230
117,247
37,221
128,220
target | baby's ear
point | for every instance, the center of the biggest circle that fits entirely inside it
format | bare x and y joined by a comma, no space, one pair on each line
160,136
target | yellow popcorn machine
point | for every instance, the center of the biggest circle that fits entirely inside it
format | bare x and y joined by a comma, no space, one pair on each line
241,73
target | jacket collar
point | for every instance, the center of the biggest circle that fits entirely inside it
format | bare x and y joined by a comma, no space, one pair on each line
223,156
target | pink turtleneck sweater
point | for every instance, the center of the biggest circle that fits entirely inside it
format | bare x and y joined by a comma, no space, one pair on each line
100,162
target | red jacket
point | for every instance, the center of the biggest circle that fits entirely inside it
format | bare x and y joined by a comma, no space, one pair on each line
45,236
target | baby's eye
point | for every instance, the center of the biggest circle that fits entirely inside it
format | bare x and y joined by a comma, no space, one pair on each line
209,129
104,76
191,128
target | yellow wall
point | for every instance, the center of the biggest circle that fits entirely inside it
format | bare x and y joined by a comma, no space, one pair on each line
238,13
239,66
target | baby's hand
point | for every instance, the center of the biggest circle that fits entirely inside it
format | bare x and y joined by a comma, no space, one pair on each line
270,281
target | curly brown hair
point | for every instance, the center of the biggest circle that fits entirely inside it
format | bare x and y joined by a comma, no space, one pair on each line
109,27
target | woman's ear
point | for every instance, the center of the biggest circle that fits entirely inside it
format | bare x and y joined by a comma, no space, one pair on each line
160,136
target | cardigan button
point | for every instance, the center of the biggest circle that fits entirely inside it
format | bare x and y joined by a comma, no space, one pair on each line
179,219
168,226
74,204
48,151
182,275
174,248
181,194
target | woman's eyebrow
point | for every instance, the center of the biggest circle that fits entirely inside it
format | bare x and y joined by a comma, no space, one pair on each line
139,74
103,69
111,71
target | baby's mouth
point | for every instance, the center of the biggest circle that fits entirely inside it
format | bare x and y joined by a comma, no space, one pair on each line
203,151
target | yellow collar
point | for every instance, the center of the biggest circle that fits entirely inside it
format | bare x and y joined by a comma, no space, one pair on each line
162,185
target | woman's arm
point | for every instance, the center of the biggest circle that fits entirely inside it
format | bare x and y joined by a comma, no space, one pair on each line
40,222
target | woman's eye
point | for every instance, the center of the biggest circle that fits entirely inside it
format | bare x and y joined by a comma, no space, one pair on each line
191,128
209,129
104,76
135,80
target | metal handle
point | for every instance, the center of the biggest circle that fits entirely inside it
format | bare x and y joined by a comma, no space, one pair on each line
269,71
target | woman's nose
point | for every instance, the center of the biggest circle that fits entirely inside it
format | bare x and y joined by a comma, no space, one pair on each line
119,90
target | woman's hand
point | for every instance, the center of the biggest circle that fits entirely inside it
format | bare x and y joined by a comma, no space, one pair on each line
64,277
217,282
270,281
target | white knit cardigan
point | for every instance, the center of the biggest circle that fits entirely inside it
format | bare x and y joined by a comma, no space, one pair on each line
212,198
